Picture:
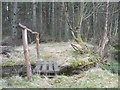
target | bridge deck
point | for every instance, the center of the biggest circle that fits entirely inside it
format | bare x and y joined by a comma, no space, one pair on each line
47,68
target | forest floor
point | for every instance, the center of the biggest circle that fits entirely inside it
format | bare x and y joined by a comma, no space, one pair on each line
62,53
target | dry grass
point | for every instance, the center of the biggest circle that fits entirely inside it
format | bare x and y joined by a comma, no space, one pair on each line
93,78
62,53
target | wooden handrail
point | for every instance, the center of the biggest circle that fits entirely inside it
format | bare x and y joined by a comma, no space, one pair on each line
37,37
24,27
25,48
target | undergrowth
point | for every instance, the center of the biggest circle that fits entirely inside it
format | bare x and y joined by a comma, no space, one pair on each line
93,78
112,67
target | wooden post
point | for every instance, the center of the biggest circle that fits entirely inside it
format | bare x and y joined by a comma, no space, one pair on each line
37,45
26,53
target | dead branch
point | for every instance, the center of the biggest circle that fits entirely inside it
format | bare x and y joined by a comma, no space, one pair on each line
77,48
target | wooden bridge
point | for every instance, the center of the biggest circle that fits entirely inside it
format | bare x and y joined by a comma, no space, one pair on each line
47,68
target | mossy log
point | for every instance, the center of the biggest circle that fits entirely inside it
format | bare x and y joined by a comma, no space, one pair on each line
77,48
80,41
80,49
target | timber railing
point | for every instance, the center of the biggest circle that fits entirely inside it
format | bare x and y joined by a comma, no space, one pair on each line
26,49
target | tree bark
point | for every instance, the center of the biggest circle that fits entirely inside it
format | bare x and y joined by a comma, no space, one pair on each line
26,54
37,45
34,16
53,21
14,31
105,37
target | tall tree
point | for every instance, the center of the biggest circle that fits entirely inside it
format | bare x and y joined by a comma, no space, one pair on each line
34,16
14,20
105,36
84,15
53,20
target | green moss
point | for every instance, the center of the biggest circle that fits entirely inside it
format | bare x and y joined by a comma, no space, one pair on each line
9,63
21,62
78,63
12,63
91,61
96,58
72,60
47,57
78,56
80,41
87,51
74,52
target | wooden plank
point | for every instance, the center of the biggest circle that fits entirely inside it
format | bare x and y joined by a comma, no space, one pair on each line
50,67
47,68
41,66
56,67
44,68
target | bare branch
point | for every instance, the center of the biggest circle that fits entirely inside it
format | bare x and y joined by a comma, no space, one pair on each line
67,18
111,12
82,10
68,22
95,8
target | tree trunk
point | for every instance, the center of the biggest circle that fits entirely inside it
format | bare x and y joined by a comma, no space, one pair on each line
34,16
105,37
14,31
53,21
60,21
119,27
41,16
37,45
0,28
66,22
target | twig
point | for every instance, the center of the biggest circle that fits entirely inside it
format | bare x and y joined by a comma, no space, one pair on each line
98,6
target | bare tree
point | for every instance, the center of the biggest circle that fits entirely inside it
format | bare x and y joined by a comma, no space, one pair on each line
84,15
105,36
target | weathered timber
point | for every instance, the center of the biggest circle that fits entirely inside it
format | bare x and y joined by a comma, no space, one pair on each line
37,37
47,68
37,45
25,46
26,54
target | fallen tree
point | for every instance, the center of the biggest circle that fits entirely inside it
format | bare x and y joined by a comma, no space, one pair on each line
80,46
